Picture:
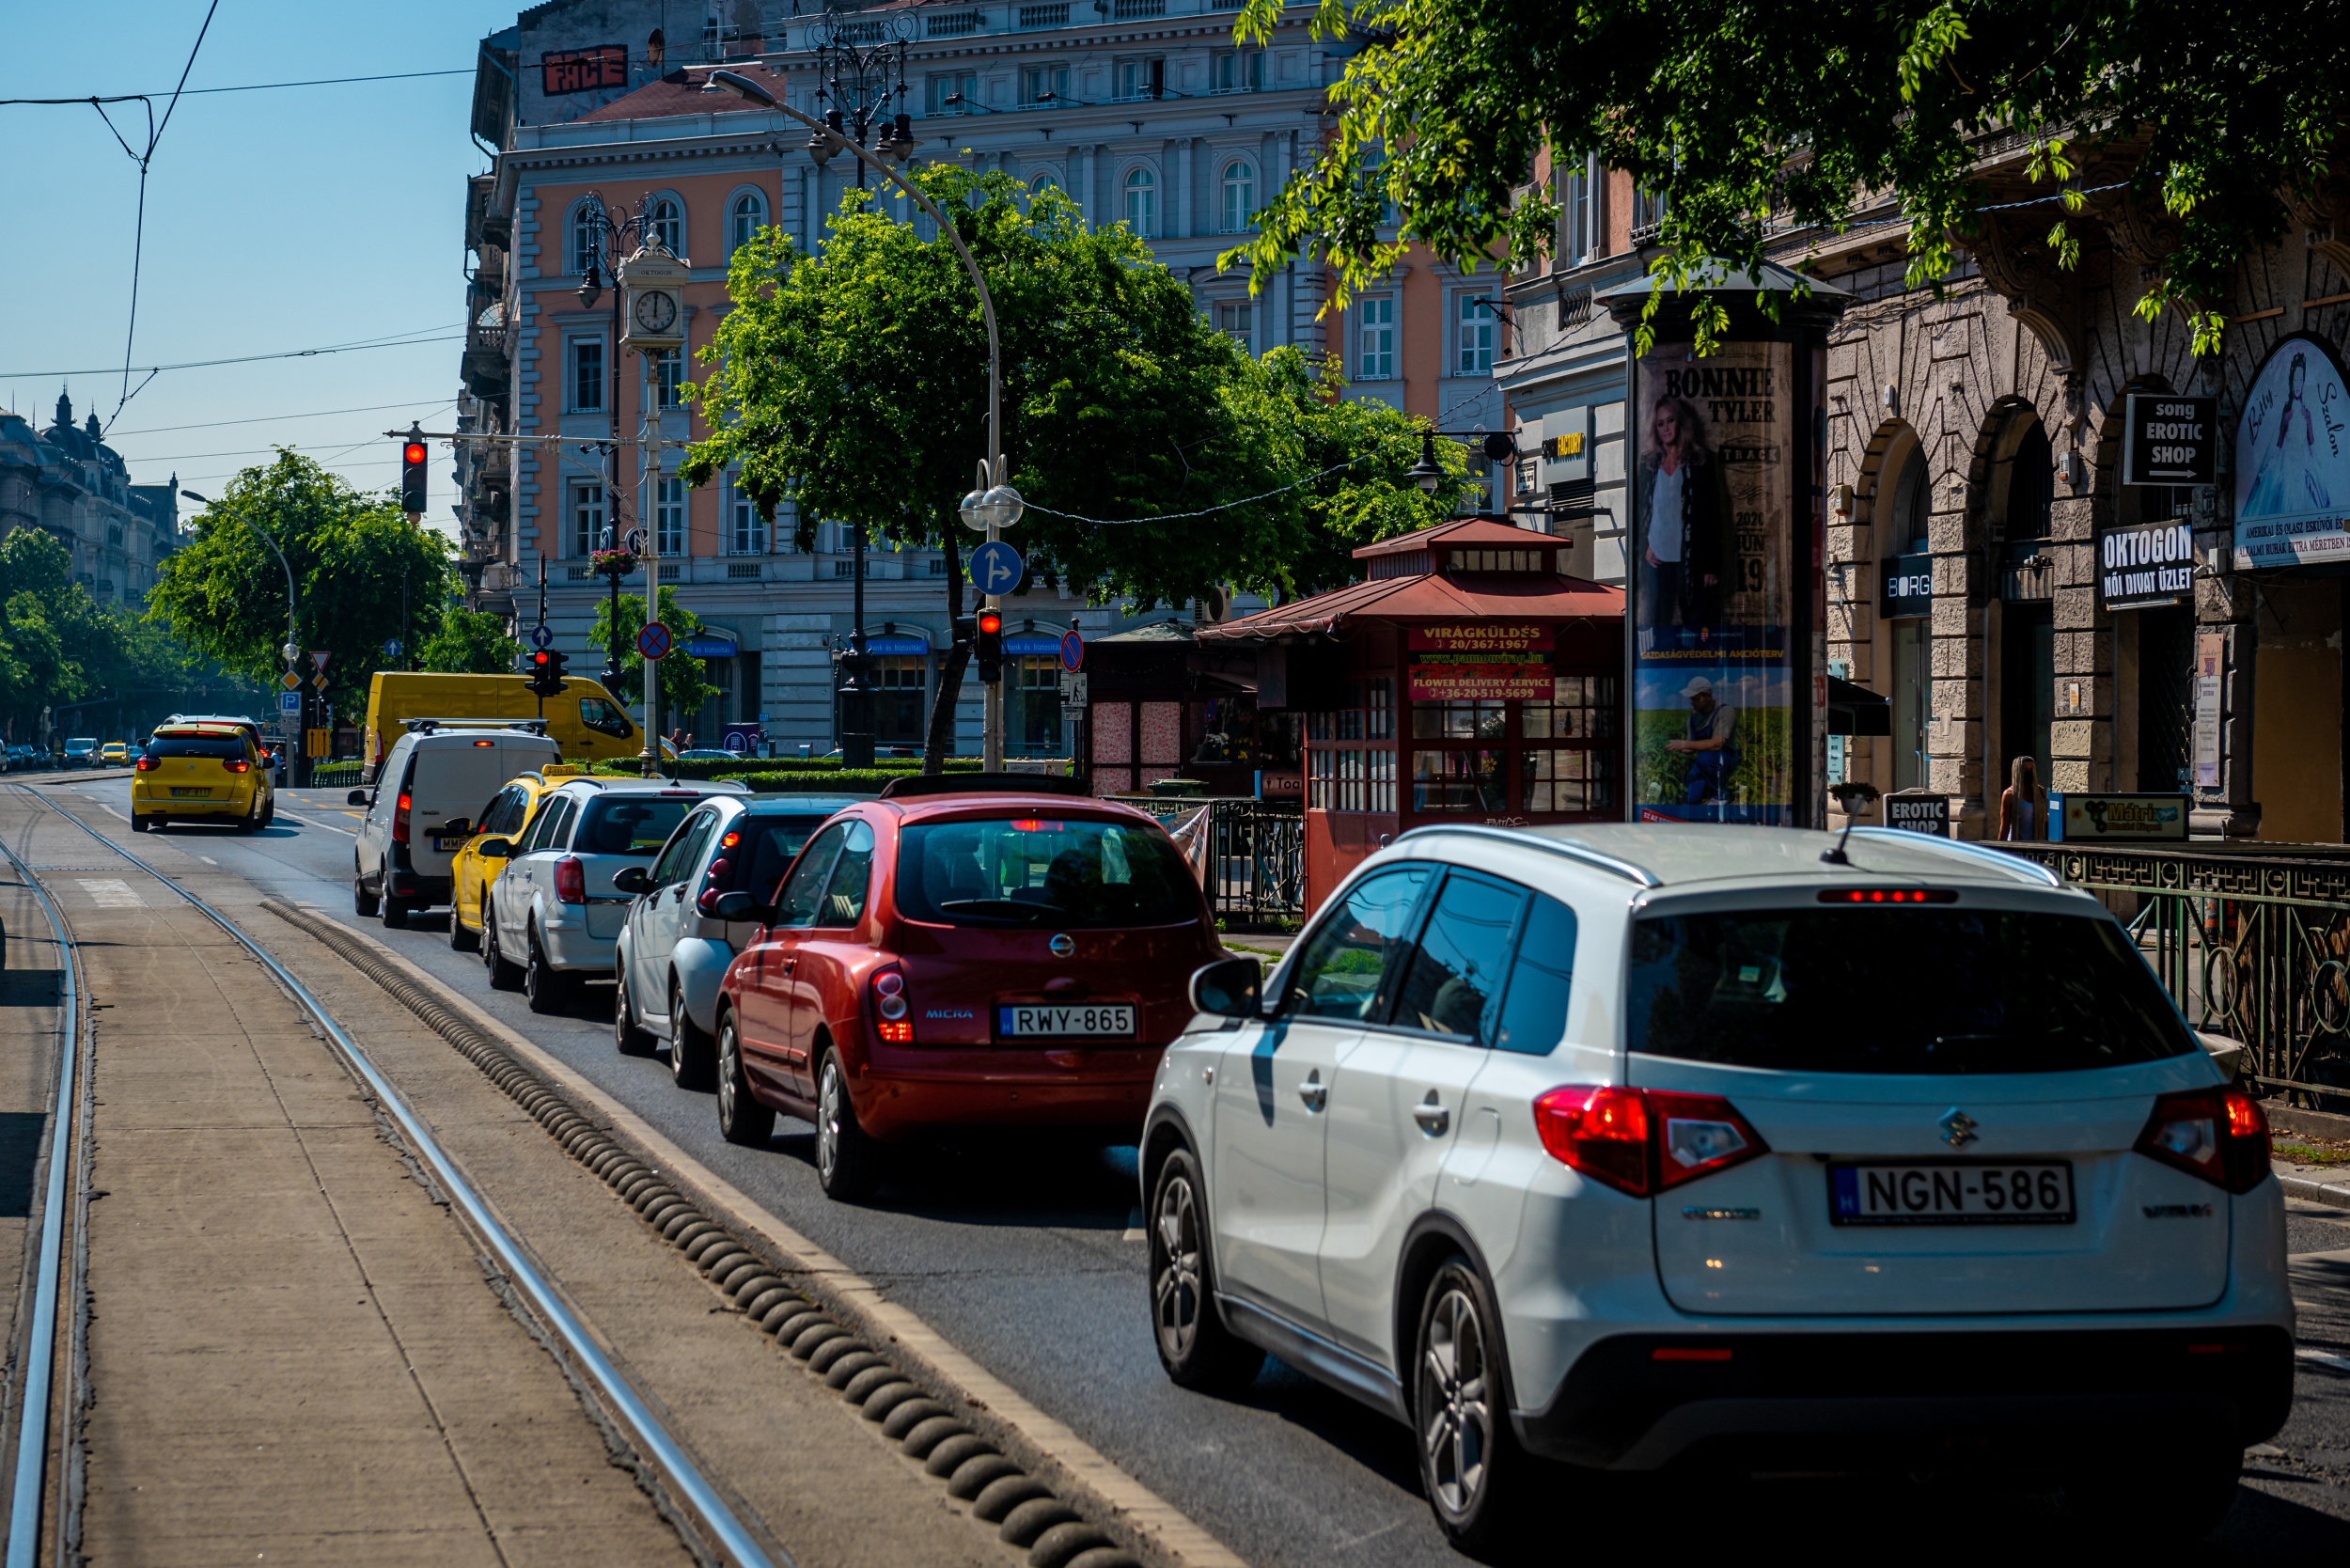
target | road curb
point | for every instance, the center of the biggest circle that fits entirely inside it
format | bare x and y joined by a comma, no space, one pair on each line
831,1302
2333,1194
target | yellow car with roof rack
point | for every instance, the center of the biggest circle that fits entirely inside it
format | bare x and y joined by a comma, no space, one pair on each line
201,773
471,875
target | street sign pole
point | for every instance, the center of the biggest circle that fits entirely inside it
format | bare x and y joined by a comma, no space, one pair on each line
648,510
991,712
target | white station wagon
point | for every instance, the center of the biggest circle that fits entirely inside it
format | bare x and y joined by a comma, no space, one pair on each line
1618,1146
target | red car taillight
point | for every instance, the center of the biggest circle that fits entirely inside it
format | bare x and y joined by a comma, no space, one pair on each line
2220,1134
891,1011
570,880
400,818
1644,1140
237,764
146,763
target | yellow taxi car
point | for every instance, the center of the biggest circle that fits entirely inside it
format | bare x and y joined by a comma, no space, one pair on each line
201,773
471,876
114,754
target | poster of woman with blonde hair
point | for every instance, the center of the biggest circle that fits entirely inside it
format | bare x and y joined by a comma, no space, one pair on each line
2291,460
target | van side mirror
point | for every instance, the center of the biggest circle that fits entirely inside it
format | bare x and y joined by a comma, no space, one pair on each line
737,906
1228,988
494,849
631,879
357,797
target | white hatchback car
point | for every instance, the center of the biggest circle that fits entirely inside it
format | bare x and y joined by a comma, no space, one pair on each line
1620,1145
675,949
554,904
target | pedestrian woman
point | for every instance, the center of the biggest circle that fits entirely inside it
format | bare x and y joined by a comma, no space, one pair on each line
2023,805
1684,509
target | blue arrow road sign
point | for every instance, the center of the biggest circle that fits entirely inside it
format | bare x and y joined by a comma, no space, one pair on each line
540,637
995,566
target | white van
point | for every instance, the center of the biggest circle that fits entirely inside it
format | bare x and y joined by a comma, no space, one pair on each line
420,813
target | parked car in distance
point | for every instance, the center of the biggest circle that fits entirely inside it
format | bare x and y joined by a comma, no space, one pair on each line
674,949
969,950
201,773
419,814
1610,1144
555,904
114,754
506,816
81,751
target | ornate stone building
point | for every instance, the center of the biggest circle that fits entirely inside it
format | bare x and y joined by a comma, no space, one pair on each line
69,482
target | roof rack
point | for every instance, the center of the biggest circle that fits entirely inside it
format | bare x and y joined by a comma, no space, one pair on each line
983,784
2024,869
1587,856
427,726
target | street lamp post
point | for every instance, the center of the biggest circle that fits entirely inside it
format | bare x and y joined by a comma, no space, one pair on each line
293,648
994,504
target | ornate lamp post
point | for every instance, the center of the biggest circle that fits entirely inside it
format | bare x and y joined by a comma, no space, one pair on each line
994,504
612,234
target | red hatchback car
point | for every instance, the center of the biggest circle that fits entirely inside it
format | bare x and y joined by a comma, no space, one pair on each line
967,950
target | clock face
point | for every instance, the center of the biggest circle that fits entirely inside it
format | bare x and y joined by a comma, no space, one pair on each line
656,310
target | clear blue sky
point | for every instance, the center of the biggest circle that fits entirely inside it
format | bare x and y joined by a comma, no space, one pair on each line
278,220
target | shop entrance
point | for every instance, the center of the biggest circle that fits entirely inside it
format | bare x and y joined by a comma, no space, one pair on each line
2026,687
2166,698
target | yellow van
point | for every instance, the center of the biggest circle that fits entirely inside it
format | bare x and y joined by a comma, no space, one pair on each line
586,721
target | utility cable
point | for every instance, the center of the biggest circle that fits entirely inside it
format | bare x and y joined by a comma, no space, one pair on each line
248,86
1204,512
398,341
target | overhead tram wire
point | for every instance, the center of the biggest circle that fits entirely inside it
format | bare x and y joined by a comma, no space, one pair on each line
246,87
397,340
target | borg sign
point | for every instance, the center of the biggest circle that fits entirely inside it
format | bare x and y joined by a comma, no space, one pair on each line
2167,439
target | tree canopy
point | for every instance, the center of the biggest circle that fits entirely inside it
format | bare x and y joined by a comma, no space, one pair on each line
1749,118
224,594
63,650
685,680
470,642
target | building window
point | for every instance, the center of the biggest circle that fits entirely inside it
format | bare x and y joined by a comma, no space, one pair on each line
1375,176
669,517
747,532
1561,780
587,529
1141,79
1239,71
1374,357
1457,781
664,224
586,237
938,565
668,375
1582,212
1459,721
1647,213
1036,726
1477,337
744,219
1240,195
1142,204
1237,320
1044,85
587,375
954,93
901,679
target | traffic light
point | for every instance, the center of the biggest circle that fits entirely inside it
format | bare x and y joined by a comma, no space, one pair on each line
987,647
546,673
411,456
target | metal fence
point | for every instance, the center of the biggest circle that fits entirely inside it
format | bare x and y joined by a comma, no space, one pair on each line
2251,943
1250,854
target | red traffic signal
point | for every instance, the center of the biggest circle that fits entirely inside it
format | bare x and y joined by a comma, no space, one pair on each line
991,622
413,452
412,484
987,647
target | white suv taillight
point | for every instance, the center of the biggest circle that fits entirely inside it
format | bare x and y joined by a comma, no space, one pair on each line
891,1007
400,817
1644,1140
2220,1134
570,880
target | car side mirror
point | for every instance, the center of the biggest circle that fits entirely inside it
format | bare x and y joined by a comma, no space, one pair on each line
1230,988
631,879
737,906
494,849
357,797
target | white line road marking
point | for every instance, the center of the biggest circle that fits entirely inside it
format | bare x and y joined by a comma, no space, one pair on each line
208,860
2323,1358
1183,1542
111,893
305,822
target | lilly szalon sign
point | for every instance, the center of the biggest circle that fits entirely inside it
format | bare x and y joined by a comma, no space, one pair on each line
2293,461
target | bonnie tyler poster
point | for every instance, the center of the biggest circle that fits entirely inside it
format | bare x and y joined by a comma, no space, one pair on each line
1713,583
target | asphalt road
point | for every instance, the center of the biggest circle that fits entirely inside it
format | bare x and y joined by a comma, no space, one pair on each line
1022,1259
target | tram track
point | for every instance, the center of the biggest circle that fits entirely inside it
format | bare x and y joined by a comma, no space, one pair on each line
33,1482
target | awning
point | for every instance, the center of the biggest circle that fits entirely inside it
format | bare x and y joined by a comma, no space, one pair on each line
1857,709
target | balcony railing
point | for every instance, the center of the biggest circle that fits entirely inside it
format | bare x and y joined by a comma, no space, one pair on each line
2252,942
953,24
1136,10
1056,14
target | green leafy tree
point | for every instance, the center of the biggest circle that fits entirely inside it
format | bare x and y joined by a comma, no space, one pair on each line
470,642
685,683
1749,118
852,382
92,664
363,576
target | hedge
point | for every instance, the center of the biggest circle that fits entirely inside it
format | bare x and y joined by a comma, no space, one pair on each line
822,767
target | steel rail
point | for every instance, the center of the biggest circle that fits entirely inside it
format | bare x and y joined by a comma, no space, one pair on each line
729,1532
27,1491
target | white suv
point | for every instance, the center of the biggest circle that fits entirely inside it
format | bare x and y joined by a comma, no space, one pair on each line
554,914
675,949
1617,1145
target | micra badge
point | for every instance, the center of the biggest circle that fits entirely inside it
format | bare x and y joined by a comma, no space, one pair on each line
1958,1129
